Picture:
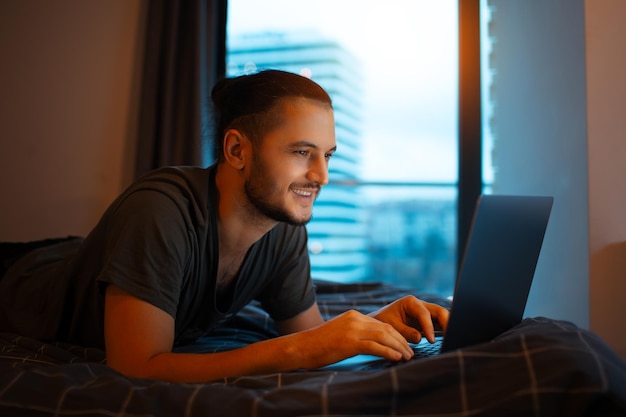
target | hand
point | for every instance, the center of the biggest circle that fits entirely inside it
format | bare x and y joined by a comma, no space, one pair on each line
409,313
350,334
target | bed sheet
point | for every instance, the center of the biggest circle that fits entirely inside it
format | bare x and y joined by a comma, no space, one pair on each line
542,367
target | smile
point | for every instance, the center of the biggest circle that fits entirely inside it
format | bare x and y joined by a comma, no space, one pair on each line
305,192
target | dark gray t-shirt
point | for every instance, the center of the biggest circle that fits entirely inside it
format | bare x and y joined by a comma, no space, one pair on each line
158,242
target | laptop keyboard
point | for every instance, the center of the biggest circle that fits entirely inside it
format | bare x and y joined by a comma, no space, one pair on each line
421,350
426,349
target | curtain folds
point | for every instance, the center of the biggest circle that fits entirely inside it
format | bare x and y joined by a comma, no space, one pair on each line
184,54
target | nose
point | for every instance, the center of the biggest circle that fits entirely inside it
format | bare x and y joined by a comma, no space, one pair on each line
318,171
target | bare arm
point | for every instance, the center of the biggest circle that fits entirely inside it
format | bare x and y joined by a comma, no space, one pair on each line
139,339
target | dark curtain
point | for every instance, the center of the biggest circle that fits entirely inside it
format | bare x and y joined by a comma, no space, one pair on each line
185,53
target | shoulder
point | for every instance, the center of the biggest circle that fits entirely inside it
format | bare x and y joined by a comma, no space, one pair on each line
188,181
182,189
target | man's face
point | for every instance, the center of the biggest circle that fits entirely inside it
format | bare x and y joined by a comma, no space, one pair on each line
291,164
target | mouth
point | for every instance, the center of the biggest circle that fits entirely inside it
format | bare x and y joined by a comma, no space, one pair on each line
307,192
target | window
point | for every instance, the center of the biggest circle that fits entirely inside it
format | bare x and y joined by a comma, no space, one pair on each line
389,212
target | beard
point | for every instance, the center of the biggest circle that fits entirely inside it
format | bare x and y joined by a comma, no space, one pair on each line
260,192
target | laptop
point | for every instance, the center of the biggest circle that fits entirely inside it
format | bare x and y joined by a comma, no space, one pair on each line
494,280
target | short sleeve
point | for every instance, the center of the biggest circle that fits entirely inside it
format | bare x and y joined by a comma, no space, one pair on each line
146,246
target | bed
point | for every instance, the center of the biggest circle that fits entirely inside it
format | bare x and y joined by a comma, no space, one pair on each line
542,367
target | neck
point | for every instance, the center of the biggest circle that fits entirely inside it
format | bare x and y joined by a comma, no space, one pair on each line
238,228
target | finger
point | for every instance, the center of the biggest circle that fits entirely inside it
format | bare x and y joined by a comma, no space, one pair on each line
425,314
422,312
438,314
395,340
442,315
368,333
370,347
409,333
388,337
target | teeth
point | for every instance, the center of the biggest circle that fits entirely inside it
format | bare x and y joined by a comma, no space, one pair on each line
303,193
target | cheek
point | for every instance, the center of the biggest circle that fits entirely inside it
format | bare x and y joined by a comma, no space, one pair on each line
282,172
269,179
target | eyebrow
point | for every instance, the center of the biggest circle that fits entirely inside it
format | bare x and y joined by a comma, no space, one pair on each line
309,145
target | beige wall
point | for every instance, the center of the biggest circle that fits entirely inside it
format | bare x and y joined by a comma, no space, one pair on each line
68,78
606,121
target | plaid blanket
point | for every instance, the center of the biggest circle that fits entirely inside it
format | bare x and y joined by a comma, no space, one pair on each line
542,367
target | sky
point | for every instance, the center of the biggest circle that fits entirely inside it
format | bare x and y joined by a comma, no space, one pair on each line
408,55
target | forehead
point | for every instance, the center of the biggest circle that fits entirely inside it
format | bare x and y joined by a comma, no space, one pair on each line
303,117
300,106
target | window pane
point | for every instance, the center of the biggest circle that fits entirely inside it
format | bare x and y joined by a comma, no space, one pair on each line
389,213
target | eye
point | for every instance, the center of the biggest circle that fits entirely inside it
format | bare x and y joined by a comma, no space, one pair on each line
302,152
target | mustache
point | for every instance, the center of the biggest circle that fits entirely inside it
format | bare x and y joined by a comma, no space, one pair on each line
304,186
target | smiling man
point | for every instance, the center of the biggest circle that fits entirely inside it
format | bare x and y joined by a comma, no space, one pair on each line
183,249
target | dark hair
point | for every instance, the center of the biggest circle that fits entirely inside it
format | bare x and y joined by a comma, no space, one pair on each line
249,102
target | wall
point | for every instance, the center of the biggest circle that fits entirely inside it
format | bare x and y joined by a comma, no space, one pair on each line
560,96
606,108
540,139
69,78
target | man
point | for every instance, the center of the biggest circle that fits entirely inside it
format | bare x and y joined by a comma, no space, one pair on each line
185,248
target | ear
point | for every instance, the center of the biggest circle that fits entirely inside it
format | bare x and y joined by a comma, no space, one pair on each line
236,146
